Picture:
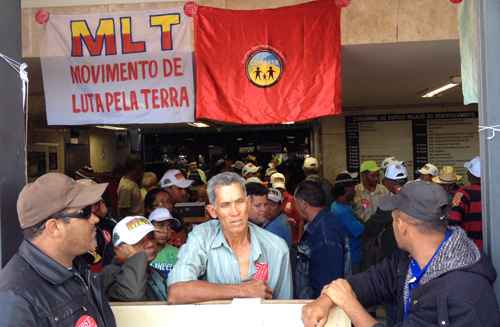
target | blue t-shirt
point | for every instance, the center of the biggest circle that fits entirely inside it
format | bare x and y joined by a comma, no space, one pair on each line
279,226
353,226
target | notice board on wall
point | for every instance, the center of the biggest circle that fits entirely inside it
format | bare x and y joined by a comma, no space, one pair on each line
440,138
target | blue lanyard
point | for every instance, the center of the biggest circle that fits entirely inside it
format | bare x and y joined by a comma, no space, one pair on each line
418,273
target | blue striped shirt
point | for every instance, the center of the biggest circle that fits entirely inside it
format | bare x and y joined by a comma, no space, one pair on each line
207,256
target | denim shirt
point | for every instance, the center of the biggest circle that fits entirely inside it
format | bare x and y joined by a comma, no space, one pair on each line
321,255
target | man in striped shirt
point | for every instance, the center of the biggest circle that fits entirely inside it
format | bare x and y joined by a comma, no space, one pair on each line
466,204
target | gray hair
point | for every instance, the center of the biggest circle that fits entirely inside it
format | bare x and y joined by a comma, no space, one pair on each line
223,179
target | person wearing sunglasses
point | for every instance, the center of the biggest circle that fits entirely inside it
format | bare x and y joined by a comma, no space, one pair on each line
44,284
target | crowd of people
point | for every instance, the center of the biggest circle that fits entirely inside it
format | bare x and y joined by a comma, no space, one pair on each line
365,239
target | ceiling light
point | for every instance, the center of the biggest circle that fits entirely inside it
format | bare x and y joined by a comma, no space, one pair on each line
113,128
198,124
288,123
454,81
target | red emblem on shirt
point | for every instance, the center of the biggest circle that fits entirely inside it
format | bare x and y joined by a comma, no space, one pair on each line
86,321
261,271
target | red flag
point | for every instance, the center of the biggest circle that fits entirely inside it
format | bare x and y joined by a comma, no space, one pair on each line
268,66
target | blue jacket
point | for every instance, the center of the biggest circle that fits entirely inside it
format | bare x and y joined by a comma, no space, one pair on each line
456,290
321,255
279,226
353,226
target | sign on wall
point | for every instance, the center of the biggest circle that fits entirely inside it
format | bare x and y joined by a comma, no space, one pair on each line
440,138
117,68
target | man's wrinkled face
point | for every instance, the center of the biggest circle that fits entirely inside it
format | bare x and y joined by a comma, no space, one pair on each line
231,208
258,209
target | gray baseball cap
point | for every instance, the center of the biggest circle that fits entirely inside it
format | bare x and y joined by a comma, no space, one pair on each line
421,200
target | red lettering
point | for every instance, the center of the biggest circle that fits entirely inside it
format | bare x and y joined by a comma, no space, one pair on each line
98,103
75,74
164,98
104,36
184,97
132,71
133,101
109,100
154,96
128,45
178,67
116,98
145,94
173,96
167,67
73,101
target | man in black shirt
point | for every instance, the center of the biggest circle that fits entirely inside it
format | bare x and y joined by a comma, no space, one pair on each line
43,285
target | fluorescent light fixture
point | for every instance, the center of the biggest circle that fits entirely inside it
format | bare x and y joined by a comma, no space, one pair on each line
199,125
288,123
113,128
454,81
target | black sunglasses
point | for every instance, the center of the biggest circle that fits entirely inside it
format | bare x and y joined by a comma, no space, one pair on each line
84,213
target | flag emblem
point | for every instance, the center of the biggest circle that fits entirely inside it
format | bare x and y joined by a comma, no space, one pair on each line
264,67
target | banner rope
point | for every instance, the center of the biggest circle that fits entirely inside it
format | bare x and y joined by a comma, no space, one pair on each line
492,129
21,69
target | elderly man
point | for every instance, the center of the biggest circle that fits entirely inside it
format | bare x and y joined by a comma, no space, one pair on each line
439,278
42,285
229,257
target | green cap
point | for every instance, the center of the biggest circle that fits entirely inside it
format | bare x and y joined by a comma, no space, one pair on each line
369,165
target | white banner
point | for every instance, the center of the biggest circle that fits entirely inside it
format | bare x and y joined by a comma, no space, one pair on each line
118,68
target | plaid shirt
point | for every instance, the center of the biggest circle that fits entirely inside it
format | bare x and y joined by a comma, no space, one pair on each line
466,212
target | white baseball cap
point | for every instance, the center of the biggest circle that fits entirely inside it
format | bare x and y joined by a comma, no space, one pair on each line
249,168
274,195
388,161
310,162
474,166
131,230
396,171
278,180
174,177
162,214
429,169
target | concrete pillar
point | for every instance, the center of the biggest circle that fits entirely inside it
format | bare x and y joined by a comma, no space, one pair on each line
12,129
489,115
